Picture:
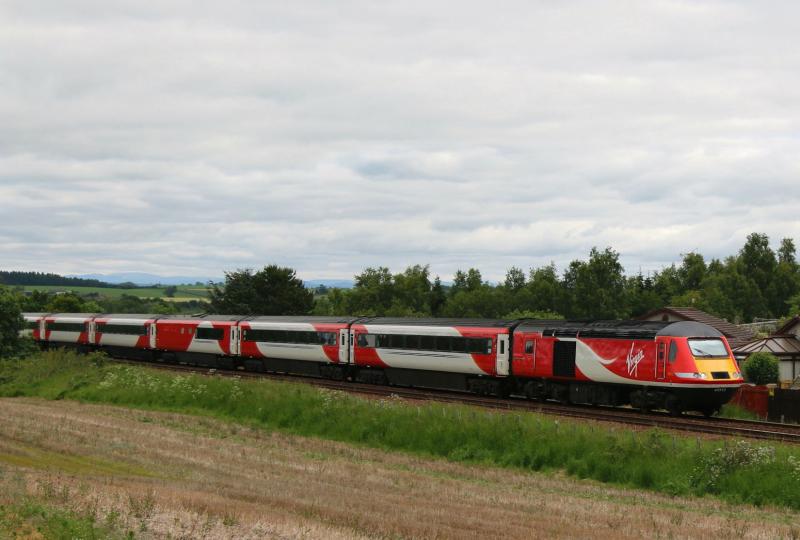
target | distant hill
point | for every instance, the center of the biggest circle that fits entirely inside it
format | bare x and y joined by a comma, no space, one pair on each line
144,279
330,283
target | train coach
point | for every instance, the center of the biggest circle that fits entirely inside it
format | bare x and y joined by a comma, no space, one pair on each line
677,366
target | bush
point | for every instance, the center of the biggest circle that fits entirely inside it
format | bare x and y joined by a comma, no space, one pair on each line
11,322
761,368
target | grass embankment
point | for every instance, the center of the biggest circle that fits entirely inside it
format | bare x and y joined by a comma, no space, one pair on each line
735,471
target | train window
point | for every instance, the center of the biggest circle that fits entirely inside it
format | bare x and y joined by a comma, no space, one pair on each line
708,348
366,340
502,347
458,344
65,327
412,342
479,346
427,343
322,338
210,333
397,342
122,329
443,343
529,347
31,325
673,351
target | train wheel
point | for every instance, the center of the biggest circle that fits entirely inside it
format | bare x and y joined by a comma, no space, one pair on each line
709,411
674,406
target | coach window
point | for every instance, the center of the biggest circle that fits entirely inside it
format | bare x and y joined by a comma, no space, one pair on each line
412,342
366,340
529,347
427,343
443,343
210,333
673,351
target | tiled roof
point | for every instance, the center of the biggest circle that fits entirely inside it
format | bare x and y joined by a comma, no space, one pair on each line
789,327
736,336
780,346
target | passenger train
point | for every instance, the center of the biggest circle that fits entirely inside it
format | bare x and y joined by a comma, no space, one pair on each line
677,366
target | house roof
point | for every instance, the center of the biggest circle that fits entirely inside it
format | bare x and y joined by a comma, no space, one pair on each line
786,346
736,336
787,328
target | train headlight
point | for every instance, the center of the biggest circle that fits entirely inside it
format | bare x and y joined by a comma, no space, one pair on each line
737,375
693,375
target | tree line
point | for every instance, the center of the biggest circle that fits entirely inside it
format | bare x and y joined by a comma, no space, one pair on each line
757,282
45,278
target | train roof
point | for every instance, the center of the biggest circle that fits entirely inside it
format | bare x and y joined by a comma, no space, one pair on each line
73,315
402,321
618,329
302,319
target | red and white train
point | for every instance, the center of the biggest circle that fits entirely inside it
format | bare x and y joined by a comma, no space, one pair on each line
678,366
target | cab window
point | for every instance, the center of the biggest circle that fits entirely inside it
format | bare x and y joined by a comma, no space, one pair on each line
708,348
673,351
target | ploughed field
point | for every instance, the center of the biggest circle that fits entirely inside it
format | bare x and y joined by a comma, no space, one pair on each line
116,471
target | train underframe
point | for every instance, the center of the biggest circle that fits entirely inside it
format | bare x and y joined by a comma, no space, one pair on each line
676,400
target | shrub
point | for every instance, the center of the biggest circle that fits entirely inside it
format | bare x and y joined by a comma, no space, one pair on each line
761,368
11,322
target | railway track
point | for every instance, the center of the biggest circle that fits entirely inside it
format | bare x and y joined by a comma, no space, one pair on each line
723,427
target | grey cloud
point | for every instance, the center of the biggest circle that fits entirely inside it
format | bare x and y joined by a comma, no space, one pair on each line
185,137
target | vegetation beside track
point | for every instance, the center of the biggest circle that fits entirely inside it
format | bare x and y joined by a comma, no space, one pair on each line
736,471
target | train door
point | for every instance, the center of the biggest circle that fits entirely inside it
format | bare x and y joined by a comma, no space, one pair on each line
352,346
234,343
502,355
91,328
343,346
153,335
661,362
530,353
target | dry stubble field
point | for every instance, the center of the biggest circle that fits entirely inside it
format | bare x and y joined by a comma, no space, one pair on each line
168,475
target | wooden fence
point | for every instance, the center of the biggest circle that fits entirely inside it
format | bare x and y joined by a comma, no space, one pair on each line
774,404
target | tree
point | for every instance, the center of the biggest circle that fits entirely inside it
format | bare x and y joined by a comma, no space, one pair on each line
515,279
761,368
70,303
373,293
787,252
438,297
274,290
544,291
692,271
412,289
170,291
758,263
11,322
641,295
596,287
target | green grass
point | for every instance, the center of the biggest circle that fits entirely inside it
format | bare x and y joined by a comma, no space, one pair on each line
735,411
34,519
184,292
149,292
655,460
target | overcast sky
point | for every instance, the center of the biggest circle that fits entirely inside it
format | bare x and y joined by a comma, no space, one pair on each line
191,137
